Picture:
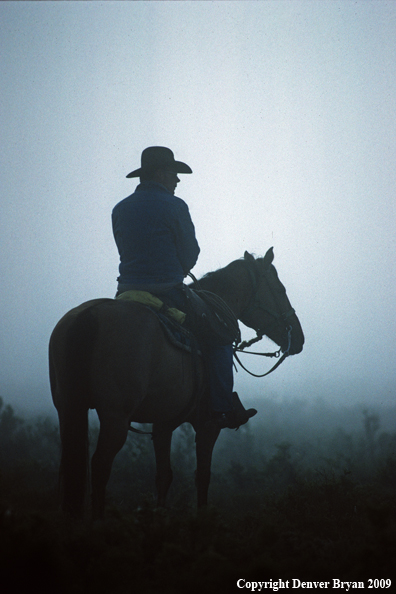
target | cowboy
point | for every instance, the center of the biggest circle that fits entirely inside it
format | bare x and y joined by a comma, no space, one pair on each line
155,237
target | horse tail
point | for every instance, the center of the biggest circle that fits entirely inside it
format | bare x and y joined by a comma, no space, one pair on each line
70,356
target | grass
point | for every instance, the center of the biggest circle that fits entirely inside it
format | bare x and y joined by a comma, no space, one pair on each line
277,512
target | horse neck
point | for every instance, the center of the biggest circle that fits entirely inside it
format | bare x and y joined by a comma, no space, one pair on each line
232,284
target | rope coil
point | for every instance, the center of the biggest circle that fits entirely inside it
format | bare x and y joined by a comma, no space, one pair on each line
220,309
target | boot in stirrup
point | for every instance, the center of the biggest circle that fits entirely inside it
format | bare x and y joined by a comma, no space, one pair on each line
237,416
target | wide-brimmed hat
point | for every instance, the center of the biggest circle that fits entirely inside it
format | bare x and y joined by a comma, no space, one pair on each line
159,157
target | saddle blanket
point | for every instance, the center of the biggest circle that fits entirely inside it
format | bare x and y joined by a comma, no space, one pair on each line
155,303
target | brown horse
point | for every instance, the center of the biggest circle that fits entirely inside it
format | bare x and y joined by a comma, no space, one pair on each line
113,356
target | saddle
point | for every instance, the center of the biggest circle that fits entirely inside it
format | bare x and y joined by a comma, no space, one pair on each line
208,317
171,319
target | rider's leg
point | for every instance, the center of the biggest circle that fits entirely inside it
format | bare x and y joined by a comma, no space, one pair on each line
228,409
221,377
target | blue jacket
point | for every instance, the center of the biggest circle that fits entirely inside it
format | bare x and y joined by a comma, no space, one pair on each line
155,237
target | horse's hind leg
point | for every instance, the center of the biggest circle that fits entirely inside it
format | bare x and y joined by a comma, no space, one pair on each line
162,439
112,436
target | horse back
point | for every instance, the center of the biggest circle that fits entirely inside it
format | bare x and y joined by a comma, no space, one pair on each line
113,354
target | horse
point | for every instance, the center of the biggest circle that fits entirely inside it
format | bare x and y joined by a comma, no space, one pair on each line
114,356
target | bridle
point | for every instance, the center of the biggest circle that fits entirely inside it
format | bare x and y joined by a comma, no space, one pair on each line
255,304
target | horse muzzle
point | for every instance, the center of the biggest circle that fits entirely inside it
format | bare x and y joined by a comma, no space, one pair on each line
293,340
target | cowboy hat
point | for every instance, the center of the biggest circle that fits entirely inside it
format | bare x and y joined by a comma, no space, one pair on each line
159,157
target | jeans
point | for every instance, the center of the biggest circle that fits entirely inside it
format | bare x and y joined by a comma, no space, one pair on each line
218,358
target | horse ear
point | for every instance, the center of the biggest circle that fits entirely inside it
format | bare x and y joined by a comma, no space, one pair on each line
268,258
248,256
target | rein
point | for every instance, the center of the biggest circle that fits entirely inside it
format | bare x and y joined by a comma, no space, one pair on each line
276,354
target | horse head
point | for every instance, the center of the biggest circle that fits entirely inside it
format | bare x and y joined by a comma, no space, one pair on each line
269,310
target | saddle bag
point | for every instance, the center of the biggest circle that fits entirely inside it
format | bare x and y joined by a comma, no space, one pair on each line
210,319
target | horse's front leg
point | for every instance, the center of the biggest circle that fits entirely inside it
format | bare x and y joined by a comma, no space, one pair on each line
162,439
206,438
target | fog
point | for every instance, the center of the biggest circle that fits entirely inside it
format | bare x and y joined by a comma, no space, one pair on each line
285,112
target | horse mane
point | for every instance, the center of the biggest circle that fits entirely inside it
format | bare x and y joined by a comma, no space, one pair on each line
220,281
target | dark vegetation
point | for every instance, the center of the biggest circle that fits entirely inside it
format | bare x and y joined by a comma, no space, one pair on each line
305,492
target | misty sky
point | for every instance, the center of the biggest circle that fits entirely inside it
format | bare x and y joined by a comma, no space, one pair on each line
285,110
